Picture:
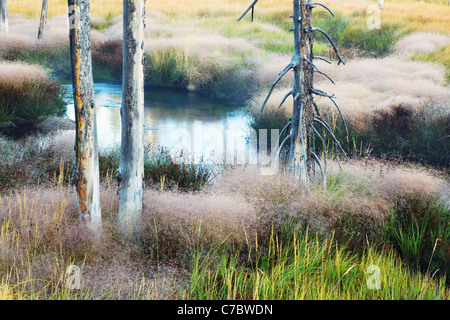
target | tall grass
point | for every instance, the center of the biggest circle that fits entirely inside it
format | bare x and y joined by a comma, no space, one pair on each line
246,236
294,265
40,238
419,228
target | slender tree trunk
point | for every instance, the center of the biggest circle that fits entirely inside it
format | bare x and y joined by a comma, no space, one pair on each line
86,170
131,169
43,20
3,17
307,45
301,115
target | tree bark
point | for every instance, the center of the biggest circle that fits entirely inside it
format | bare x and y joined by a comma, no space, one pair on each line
300,156
131,169
4,26
86,169
43,20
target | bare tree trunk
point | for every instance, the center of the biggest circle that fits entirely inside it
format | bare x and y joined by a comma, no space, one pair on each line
131,169
300,156
3,17
307,46
86,170
43,20
305,114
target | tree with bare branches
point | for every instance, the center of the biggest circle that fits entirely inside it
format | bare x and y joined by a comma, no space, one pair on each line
131,169
306,124
86,169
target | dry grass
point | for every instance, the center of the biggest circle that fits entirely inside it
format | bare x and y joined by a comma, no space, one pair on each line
366,87
421,43
40,234
23,32
371,85
16,72
420,16
41,237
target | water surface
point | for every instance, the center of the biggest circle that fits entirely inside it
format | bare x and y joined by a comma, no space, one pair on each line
173,118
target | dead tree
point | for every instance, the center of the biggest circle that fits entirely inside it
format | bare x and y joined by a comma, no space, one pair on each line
3,17
131,169
43,20
86,168
306,122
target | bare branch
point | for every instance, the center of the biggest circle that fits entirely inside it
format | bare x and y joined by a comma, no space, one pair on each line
321,58
281,146
280,76
322,5
316,107
285,97
318,71
333,136
324,74
285,127
321,93
248,9
320,136
332,43
340,113
324,177
324,151
284,141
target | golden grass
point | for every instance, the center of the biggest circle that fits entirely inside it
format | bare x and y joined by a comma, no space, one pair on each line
31,8
430,16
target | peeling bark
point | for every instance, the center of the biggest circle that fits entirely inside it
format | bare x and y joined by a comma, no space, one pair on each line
4,26
86,169
131,168
43,20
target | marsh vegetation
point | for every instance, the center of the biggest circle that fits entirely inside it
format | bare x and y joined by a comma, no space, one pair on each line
226,231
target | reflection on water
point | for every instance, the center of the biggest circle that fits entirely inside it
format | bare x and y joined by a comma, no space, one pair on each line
173,118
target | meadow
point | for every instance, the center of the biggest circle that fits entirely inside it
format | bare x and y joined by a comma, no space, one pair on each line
227,232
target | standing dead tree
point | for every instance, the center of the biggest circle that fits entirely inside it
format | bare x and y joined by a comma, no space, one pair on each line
131,168
306,122
86,169
4,26
43,20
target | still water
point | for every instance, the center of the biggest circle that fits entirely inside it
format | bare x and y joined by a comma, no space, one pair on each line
173,118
